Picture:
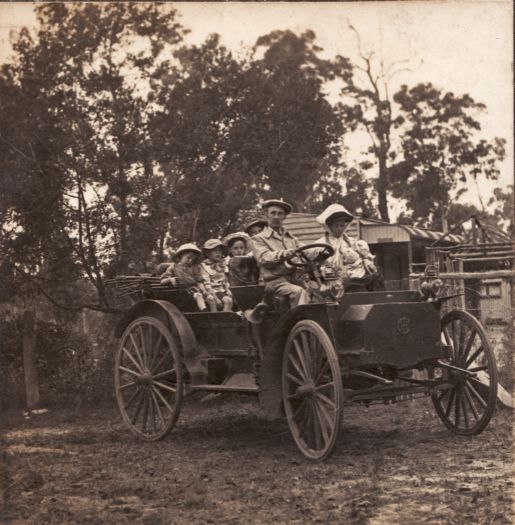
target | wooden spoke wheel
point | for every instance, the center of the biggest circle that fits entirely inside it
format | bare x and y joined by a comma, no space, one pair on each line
312,389
468,403
148,378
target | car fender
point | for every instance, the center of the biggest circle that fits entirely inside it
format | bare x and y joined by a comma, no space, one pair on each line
179,327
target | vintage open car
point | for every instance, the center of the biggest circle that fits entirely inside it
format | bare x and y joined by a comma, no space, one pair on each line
307,362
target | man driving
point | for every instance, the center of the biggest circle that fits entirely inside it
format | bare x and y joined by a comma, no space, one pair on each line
272,247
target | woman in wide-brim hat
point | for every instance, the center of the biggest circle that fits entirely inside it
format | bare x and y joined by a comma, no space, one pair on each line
352,258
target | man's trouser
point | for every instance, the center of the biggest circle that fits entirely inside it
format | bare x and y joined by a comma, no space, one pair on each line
282,287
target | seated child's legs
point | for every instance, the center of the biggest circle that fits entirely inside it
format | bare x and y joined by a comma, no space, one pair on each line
200,301
211,303
227,303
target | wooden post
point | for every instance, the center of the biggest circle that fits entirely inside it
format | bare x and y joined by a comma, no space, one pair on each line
29,359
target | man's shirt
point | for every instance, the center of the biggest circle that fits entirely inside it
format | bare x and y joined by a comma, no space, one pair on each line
269,247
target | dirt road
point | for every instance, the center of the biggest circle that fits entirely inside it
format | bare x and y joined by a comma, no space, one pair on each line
226,463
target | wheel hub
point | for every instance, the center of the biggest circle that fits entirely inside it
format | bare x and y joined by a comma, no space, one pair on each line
305,390
144,379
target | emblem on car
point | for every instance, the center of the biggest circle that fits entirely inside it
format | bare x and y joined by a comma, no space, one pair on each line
403,325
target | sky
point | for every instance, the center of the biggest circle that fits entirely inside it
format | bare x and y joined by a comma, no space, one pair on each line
461,46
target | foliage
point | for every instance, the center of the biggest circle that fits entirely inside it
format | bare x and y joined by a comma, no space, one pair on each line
442,152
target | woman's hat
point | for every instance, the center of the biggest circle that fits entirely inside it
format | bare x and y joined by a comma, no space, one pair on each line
211,244
277,202
188,247
230,239
258,221
333,212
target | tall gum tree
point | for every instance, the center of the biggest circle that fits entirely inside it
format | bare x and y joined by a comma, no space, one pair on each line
443,152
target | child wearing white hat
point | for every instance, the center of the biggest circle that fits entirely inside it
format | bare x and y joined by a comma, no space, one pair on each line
186,271
214,272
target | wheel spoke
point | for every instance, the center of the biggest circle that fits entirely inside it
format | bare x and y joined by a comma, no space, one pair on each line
165,387
326,400
470,402
134,362
298,368
165,373
457,407
161,397
306,425
470,341
151,412
296,380
316,427
135,346
154,369
449,405
127,385
325,368
446,336
132,398
464,409
473,356
158,408
134,417
456,337
129,371
301,359
326,385
324,418
442,394
307,354
155,351
482,402
143,344
144,416
478,368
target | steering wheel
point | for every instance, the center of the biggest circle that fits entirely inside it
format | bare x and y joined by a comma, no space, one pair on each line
303,254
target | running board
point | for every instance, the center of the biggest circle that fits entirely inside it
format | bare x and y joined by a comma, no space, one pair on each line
238,383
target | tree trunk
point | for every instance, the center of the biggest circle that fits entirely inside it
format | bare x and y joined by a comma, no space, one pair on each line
29,359
382,186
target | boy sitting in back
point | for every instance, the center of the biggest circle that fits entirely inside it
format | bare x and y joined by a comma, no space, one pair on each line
214,272
186,271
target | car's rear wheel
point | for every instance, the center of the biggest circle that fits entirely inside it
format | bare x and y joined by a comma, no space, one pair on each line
468,403
148,378
312,389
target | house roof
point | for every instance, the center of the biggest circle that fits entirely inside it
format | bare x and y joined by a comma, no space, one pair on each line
431,235
305,227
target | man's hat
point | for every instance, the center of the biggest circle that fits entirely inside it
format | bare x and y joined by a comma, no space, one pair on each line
277,202
188,247
258,221
237,236
211,244
333,212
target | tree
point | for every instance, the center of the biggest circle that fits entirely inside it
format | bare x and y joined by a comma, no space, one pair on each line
76,163
368,106
442,153
234,130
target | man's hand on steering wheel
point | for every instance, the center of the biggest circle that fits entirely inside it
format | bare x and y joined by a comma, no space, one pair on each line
302,258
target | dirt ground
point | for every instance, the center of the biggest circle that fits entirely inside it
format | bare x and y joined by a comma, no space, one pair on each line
226,463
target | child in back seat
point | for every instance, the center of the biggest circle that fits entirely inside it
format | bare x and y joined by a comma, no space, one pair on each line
242,266
186,270
214,272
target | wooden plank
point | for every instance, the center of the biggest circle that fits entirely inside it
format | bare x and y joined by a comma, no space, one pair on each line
492,274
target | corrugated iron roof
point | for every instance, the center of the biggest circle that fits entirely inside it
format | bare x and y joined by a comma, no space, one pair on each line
430,235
